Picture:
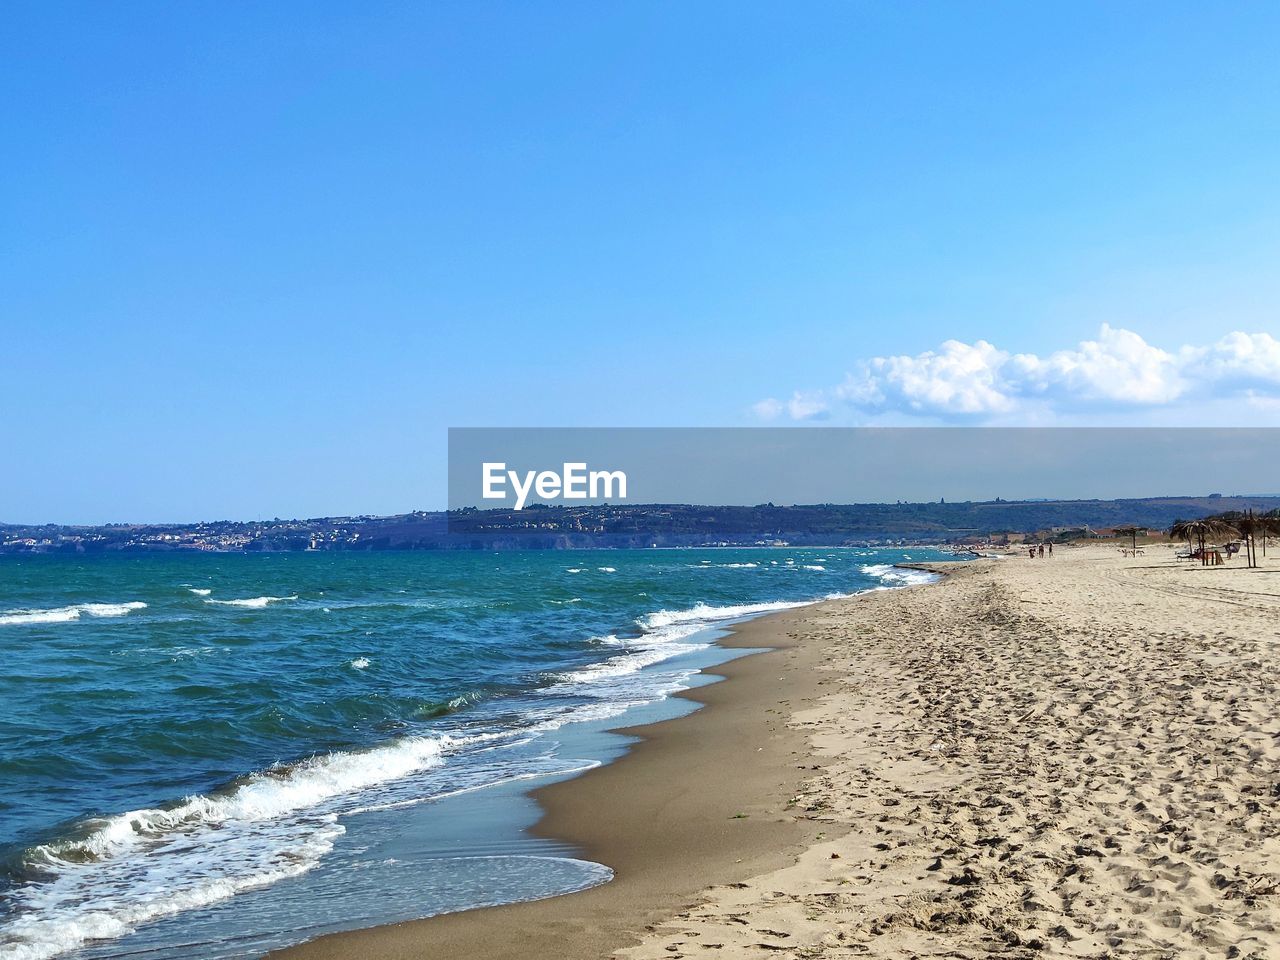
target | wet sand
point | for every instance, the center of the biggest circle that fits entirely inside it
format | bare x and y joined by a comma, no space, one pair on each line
702,798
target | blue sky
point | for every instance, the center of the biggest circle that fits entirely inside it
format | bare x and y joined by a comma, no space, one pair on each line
257,258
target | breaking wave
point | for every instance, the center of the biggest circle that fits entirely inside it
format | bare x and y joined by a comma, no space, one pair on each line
703,613
70,613
255,603
127,869
891,576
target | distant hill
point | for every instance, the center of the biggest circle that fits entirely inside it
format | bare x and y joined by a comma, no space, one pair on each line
630,525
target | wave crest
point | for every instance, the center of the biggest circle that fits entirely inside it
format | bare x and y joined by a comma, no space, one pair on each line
70,613
707,614
255,603
892,576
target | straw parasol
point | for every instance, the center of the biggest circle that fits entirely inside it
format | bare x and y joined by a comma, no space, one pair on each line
1209,528
1131,532
1252,526
1273,527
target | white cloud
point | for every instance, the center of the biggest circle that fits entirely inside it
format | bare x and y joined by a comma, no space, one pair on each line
801,406
1117,368
808,406
768,409
1250,360
1118,371
957,380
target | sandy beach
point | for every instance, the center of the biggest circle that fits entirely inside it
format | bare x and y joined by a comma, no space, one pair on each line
1072,757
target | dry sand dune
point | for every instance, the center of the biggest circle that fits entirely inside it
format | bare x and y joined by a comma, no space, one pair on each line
1069,757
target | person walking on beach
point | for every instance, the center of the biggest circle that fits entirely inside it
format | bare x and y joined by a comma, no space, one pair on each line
1031,551
1051,548
1042,550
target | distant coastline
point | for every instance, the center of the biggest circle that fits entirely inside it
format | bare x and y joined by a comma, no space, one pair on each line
550,527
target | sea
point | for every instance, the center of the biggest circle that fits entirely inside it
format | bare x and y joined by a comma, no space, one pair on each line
216,755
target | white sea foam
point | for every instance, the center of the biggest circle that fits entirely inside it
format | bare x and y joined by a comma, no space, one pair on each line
607,569
263,796
200,591
62,915
814,566
360,663
255,603
892,577
134,867
664,634
704,613
630,663
571,768
70,613
643,651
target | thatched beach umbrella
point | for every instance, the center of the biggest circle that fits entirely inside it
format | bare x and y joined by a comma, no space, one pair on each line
1131,532
1248,526
1209,528
1252,526
1272,528
1179,532
1182,530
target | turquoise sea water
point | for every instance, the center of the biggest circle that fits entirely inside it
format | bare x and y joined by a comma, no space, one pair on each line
215,754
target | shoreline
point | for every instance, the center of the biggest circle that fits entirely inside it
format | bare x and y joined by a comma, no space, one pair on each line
686,809
1071,757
